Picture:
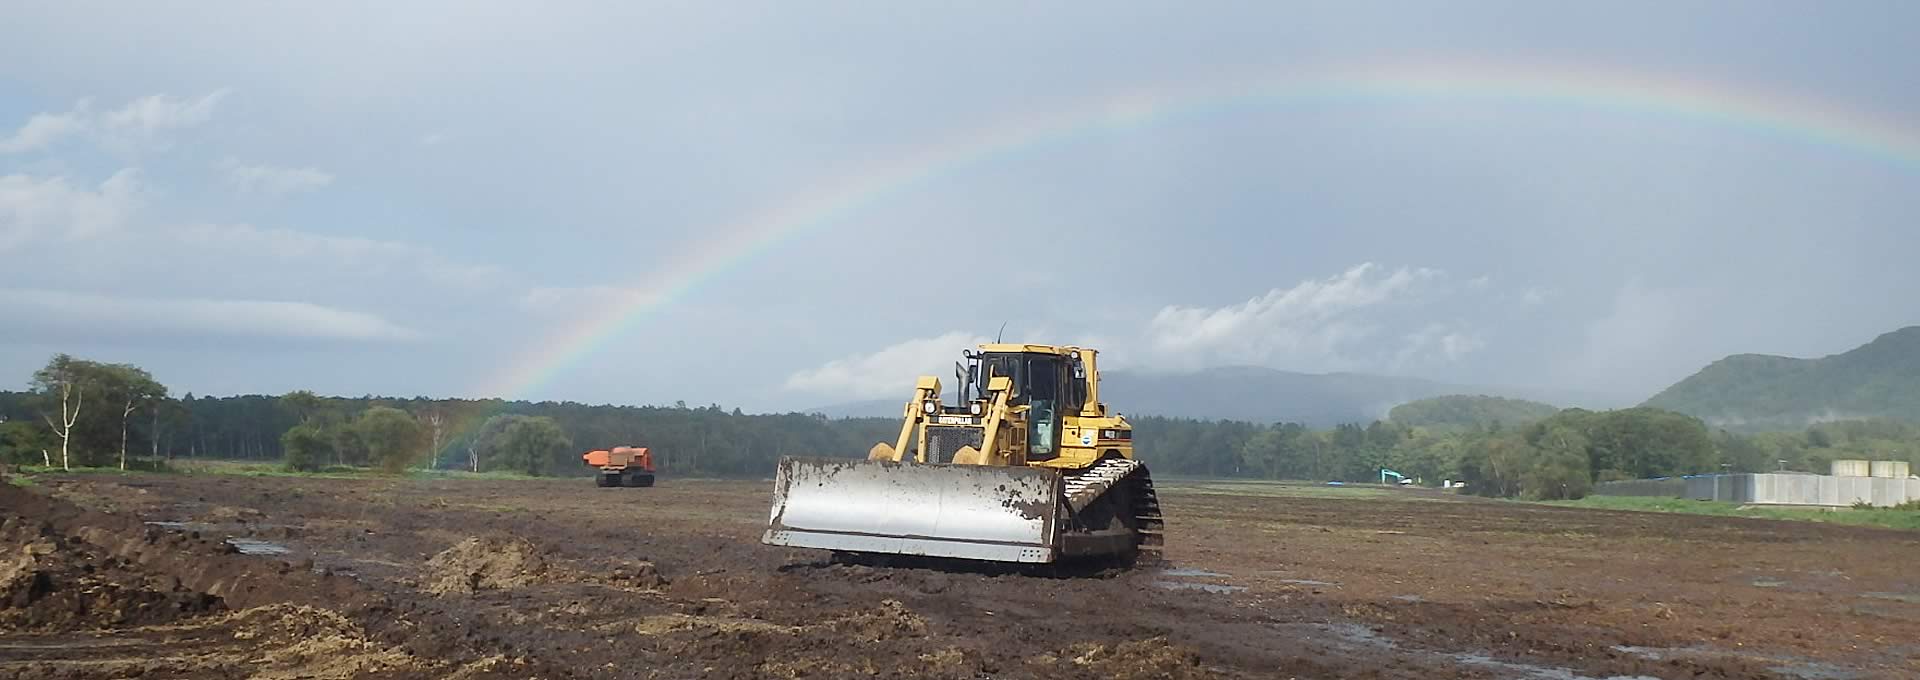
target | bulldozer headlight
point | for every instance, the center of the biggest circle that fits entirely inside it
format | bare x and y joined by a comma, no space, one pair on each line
975,408
928,406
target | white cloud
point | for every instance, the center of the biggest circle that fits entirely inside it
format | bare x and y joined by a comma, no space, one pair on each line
32,207
48,315
887,372
41,131
154,113
1534,295
140,122
274,181
1313,321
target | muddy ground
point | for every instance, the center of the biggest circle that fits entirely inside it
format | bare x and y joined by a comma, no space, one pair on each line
174,576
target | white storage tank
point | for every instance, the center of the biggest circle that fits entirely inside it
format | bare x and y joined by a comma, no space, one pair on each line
1889,468
1851,468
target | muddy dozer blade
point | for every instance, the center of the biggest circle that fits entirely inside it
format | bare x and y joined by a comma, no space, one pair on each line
1003,514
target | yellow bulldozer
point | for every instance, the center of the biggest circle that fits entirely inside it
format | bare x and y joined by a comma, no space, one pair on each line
1027,466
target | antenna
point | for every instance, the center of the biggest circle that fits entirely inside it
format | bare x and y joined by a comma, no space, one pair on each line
1002,333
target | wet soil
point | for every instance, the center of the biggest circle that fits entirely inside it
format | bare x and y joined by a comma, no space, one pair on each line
284,577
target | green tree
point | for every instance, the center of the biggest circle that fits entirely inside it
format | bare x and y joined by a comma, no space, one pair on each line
63,385
130,388
1560,466
393,439
520,443
23,441
304,405
305,447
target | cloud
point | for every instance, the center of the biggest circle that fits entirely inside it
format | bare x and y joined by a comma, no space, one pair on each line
41,131
353,254
32,207
1315,320
140,122
887,372
273,181
1438,342
1648,331
66,316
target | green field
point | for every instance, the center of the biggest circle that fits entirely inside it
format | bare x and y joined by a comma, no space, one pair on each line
1879,517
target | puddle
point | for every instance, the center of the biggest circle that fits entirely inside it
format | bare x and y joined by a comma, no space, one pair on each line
1193,573
1527,670
1307,582
1908,598
1208,587
1815,670
1410,598
1790,666
1768,583
248,546
1353,635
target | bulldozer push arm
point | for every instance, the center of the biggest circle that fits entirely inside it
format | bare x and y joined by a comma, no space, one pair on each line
920,410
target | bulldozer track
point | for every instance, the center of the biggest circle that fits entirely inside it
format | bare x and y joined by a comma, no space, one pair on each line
1089,485
1083,488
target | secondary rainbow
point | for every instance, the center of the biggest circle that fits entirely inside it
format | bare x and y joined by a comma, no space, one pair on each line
1776,115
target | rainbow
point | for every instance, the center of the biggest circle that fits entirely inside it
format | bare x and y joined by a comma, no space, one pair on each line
1765,113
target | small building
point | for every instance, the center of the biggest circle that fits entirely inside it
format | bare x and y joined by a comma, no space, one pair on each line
1885,484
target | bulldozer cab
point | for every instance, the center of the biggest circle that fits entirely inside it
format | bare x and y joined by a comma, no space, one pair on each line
1050,385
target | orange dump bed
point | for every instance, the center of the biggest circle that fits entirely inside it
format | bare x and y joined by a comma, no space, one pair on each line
619,457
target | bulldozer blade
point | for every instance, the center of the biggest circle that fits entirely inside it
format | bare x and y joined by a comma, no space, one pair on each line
996,513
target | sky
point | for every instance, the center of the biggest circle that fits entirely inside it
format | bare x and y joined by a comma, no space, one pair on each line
779,205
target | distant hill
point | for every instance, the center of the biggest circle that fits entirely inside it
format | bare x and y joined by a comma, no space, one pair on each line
1253,394
1462,412
1755,392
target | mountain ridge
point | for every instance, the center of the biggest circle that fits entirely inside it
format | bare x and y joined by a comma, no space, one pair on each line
1758,392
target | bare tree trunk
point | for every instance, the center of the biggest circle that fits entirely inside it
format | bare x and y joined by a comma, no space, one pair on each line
124,413
64,428
46,458
153,433
436,420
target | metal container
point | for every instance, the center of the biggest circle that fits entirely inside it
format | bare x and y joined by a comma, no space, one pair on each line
1889,468
1851,468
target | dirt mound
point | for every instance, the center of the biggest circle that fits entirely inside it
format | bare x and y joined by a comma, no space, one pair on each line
50,581
298,641
1134,660
477,564
641,575
888,621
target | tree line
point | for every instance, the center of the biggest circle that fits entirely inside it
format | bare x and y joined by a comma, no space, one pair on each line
84,413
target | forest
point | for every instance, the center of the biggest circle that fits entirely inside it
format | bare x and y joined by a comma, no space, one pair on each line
81,413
